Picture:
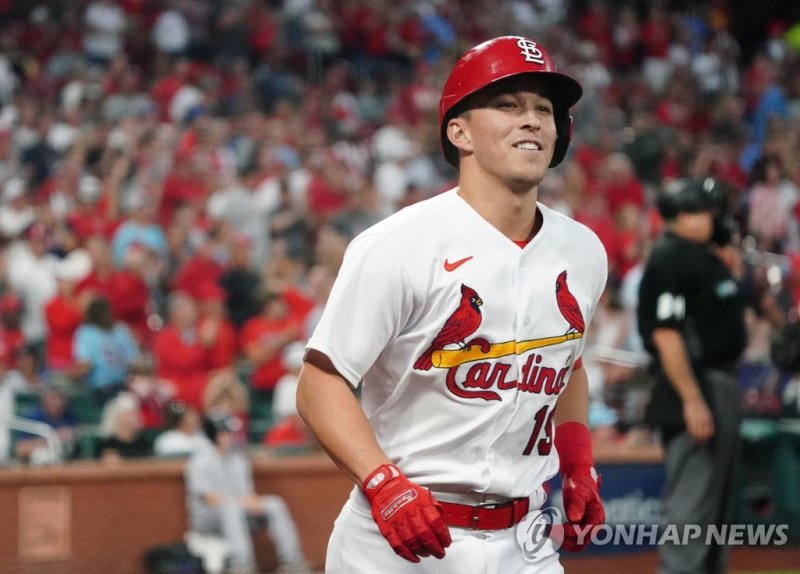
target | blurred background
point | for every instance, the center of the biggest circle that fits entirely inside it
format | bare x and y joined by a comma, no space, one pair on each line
179,180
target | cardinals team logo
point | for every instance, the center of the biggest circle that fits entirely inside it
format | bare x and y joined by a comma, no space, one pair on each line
466,319
568,305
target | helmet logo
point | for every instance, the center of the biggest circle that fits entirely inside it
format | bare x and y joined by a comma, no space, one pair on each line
529,50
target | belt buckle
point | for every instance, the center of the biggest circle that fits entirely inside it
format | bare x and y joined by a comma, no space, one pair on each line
488,506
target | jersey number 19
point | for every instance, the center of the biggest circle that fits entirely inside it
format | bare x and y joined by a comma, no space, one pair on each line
542,418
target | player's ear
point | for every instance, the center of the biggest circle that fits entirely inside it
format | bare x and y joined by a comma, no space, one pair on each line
458,133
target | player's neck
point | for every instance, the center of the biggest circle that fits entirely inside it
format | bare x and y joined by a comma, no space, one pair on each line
514,215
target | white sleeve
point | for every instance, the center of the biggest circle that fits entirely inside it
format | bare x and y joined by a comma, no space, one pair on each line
600,278
368,307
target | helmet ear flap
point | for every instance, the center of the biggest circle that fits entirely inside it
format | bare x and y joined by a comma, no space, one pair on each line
564,133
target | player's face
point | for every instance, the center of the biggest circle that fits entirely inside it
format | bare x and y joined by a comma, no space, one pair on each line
510,131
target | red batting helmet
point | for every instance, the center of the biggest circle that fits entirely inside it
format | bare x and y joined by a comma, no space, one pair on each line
496,60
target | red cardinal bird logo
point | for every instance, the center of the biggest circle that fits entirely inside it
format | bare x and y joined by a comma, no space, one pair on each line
461,324
568,305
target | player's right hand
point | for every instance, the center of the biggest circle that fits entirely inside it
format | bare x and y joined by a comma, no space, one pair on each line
407,515
698,418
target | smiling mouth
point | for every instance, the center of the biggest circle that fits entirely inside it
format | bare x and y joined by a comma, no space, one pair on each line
529,146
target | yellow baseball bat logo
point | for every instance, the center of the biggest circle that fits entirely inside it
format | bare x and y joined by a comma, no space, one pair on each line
446,359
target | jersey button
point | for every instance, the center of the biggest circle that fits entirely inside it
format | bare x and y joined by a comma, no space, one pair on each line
526,321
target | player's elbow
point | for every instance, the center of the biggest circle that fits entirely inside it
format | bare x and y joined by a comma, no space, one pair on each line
319,386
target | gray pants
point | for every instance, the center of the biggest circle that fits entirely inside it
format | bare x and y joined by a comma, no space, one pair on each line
699,487
232,522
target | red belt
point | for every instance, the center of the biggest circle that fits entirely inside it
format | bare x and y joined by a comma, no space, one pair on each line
489,516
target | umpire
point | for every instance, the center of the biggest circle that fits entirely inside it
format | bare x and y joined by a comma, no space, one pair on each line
691,319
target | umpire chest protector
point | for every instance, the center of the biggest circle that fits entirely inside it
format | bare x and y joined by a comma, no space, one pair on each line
687,288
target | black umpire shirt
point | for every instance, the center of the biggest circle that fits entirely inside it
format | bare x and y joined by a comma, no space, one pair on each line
686,287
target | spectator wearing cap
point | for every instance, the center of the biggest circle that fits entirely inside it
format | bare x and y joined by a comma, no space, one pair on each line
214,325
221,500
31,274
103,350
180,353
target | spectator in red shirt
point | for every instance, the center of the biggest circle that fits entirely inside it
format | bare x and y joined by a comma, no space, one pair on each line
13,340
263,338
201,268
215,326
89,216
187,183
64,312
656,33
595,24
180,352
626,51
125,288
99,280
619,183
165,88
326,192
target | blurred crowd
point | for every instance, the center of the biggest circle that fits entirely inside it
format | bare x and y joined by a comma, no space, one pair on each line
179,180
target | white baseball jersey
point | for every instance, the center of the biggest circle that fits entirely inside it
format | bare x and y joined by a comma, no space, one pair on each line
463,340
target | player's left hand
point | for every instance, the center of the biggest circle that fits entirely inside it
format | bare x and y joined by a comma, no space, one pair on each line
583,507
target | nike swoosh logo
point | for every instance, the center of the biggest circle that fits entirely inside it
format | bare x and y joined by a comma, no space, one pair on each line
455,264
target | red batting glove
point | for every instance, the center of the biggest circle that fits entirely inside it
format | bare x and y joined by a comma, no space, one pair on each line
580,485
407,515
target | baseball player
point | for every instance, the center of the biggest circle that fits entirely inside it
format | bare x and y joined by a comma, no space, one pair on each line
463,318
